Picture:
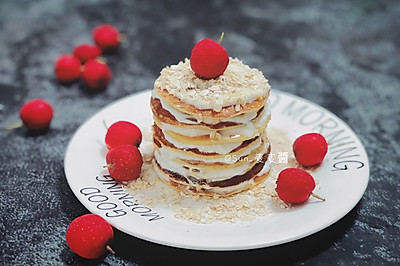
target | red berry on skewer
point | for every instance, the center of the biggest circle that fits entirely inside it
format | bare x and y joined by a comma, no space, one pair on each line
67,68
310,149
36,114
208,59
295,186
123,132
124,162
106,37
85,52
89,236
96,74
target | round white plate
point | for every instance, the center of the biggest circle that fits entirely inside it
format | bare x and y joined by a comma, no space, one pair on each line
343,178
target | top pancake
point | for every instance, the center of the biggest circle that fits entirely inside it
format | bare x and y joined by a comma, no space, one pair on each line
225,112
239,90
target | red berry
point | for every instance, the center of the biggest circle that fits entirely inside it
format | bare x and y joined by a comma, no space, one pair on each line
106,37
208,59
36,114
67,68
85,52
123,132
310,149
124,162
89,236
96,74
294,185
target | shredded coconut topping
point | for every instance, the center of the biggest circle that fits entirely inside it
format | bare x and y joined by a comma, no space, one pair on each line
239,85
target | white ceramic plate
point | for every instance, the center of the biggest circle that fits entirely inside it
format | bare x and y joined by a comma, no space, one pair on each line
343,178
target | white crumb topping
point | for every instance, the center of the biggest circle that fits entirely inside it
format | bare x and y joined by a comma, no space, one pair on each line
239,85
247,205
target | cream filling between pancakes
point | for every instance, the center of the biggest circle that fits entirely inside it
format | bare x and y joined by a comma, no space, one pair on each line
212,139
172,153
218,190
210,172
248,129
190,119
221,149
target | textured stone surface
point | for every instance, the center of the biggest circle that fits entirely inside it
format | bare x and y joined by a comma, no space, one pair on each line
343,55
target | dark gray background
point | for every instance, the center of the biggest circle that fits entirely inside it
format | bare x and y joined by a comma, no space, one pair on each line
343,55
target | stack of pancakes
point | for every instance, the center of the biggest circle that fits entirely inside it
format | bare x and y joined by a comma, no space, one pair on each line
210,135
